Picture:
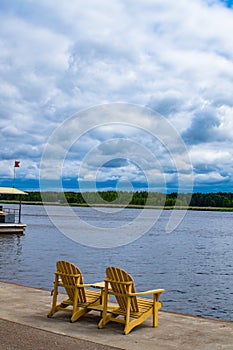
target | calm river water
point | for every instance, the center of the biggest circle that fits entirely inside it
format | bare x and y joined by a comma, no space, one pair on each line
194,263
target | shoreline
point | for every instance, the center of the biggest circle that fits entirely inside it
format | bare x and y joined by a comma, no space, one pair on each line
129,206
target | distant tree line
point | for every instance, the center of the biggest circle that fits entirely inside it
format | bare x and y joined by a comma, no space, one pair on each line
139,198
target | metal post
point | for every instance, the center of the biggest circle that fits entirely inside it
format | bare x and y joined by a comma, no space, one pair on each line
20,199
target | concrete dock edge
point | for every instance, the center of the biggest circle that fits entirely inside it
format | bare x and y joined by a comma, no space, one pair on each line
24,325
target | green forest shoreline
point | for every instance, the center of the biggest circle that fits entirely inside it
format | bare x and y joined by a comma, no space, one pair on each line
221,201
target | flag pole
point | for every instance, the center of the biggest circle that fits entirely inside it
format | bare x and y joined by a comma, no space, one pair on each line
17,164
13,185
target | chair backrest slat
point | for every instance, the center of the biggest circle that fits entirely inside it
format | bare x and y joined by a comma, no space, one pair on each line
71,276
122,283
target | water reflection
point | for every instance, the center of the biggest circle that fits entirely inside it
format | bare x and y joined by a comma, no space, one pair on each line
10,244
11,248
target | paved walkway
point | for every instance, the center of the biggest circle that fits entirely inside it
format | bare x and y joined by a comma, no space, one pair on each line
24,325
17,336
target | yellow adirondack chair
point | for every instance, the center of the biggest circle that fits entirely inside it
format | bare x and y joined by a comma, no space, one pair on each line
133,309
79,299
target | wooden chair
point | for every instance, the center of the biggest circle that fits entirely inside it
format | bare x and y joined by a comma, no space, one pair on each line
133,309
79,299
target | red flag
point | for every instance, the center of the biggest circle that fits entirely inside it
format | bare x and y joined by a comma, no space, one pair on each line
17,164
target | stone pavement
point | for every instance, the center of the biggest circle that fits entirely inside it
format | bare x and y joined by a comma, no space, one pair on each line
24,325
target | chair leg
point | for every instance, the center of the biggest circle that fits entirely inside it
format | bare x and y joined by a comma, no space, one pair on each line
127,319
102,322
78,313
155,316
54,302
106,319
128,327
156,308
104,300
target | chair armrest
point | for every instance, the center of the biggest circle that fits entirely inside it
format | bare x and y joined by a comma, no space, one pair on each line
154,291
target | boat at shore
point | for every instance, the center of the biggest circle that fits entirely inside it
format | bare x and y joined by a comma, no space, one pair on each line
10,218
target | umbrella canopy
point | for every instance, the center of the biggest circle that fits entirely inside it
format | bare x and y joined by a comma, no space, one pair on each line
11,190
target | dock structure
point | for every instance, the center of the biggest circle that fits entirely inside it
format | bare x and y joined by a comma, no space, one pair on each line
24,325
10,218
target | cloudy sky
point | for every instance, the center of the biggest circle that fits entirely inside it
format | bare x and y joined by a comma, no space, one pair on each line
119,93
